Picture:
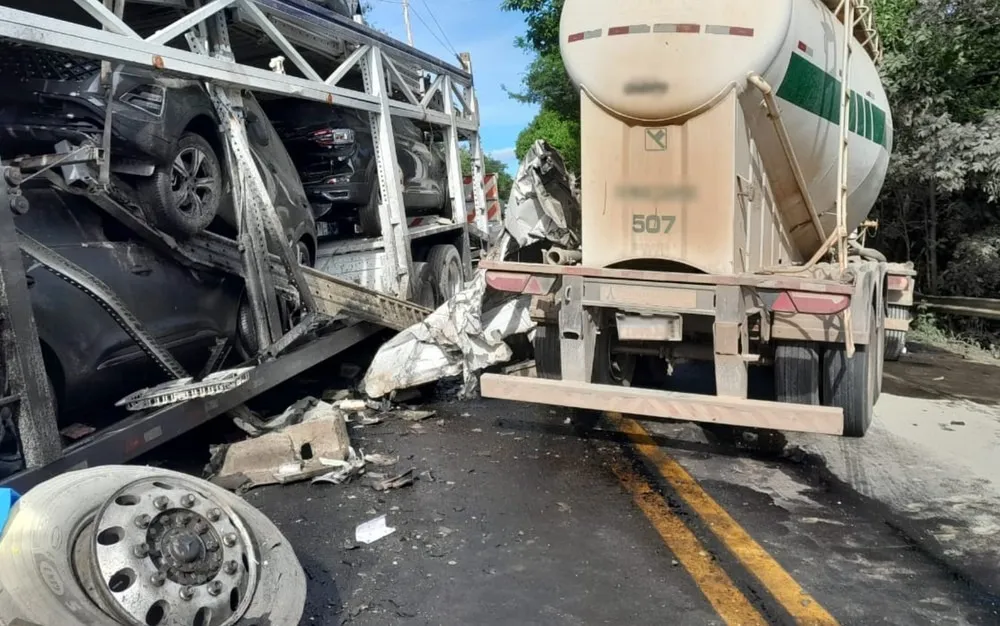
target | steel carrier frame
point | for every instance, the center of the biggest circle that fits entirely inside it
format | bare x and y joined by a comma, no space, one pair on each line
366,284
825,302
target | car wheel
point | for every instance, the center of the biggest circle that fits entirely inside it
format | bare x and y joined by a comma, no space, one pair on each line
182,198
108,554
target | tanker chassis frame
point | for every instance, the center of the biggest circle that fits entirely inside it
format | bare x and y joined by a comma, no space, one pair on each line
593,323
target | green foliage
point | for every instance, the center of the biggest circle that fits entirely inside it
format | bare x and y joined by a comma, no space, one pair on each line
546,83
938,205
542,19
492,166
561,132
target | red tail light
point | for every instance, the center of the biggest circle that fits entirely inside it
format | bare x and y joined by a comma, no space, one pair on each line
512,282
809,302
898,283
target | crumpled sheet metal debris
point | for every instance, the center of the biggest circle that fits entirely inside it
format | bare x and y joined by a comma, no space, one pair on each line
459,338
346,469
542,205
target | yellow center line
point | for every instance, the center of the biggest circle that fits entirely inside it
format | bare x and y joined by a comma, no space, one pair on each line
779,583
731,605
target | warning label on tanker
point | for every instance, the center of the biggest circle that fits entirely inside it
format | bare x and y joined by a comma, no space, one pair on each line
656,139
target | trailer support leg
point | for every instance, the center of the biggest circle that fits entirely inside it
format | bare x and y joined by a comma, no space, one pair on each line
730,339
21,350
577,333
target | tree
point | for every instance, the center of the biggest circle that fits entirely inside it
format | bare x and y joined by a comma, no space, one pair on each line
942,76
561,133
491,165
546,82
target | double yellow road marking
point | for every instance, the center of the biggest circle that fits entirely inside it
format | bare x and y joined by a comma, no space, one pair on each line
731,605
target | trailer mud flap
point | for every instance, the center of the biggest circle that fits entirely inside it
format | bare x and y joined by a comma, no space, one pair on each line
667,404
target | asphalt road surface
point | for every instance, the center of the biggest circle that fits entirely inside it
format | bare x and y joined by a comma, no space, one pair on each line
526,515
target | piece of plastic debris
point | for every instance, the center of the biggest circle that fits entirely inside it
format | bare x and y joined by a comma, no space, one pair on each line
401,480
368,420
415,416
372,530
7,499
382,460
352,404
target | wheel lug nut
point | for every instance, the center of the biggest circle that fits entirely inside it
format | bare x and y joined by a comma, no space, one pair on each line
211,545
229,540
187,501
201,528
157,579
231,567
215,587
142,521
214,515
187,593
161,502
141,550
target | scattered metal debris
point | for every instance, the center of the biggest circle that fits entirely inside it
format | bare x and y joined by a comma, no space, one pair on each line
382,460
412,415
346,469
395,482
372,530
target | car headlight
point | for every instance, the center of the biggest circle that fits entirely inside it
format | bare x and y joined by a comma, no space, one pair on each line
333,137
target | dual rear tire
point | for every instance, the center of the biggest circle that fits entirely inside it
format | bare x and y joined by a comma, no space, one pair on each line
808,373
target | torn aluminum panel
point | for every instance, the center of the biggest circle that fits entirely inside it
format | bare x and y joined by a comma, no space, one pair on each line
456,339
542,204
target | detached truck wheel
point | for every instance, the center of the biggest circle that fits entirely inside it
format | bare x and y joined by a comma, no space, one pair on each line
116,545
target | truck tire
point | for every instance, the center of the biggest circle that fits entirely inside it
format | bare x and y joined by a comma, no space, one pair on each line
610,368
446,268
895,340
796,372
424,291
47,577
548,357
851,383
183,197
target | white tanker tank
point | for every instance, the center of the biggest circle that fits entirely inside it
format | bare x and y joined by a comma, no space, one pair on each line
648,66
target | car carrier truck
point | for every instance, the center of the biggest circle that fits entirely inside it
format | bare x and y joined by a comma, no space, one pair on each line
728,150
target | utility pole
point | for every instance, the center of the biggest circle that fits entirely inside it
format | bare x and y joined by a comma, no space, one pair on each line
406,20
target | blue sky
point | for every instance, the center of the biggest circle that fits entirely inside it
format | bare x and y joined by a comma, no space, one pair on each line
480,28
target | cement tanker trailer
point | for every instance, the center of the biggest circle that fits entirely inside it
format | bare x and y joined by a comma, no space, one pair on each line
724,164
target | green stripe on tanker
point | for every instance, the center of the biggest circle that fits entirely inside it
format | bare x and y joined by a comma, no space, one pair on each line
810,88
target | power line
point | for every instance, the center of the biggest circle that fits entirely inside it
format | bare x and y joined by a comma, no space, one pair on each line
443,33
431,30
